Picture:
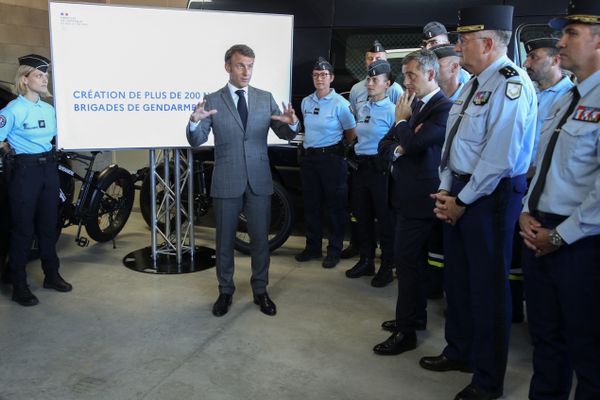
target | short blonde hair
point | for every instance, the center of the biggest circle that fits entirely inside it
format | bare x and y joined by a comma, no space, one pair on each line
20,87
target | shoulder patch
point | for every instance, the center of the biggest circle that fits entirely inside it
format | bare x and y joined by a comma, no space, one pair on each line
582,113
513,90
508,72
2,121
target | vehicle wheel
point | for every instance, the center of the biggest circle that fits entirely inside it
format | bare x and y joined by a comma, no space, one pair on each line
282,220
110,209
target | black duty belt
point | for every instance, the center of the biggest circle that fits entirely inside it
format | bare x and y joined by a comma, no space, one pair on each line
335,148
35,159
549,216
461,177
364,159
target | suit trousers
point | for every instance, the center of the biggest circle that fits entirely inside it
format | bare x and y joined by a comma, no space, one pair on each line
412,235
369,197
34,208
324,182
257,209
477,261
563,311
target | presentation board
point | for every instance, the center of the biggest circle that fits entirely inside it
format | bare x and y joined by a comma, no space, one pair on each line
129,78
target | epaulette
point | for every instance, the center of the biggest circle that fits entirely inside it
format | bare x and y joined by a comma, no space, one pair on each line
508,71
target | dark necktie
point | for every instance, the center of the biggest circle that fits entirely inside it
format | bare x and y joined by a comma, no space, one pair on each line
242,107
415,111
536,192
454,129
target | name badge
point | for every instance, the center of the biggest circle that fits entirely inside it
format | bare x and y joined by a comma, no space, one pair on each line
587,114
481,98
458,102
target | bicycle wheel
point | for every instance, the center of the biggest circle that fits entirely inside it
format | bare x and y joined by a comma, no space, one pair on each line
145,199
282,220
110,205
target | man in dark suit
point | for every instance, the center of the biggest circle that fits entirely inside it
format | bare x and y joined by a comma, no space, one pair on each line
240,117
414,145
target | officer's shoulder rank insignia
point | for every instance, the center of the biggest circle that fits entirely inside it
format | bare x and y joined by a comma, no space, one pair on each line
481,98
513,90
508,71
587,114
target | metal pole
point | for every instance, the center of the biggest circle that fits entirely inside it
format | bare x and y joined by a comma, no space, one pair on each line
152,173
190,182
167,199
177,155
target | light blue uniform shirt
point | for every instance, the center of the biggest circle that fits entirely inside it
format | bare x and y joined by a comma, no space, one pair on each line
546,99
572,185
359,94
457,92
325,119
495,137
463,76
29,127
374,120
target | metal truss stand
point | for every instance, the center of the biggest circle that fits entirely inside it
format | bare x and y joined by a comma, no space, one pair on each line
177,254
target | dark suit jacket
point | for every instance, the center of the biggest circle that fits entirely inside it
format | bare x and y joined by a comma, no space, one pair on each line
415,174
241,157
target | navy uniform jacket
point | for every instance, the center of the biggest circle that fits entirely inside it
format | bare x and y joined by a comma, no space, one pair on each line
415,174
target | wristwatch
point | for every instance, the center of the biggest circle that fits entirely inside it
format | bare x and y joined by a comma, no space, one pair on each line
555,239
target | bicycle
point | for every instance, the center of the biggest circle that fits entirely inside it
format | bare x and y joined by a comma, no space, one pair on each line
104,201
282,210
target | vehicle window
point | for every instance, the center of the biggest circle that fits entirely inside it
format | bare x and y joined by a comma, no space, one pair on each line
527,32
349,46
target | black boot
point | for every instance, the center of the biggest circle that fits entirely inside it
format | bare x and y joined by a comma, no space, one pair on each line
23,296
364,267
384,276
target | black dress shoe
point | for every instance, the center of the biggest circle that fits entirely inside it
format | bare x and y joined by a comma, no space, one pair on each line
330,261
351,251
364,267
23,296
441,363
57,283
222,304
392,326
384,276
307,255
473,392
266,304
396,344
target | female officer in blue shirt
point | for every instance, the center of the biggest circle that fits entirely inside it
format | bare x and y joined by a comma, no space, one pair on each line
323,168
369,190
29,125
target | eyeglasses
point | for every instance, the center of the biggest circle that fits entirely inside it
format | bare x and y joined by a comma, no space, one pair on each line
462,40
320,75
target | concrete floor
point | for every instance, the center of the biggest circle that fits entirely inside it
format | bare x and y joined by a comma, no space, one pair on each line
127,335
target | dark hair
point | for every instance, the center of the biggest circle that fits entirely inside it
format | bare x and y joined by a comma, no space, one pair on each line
426,59
241,49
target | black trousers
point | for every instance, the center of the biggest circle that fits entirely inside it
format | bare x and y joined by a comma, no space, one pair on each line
563,311
4,224
411,239
369,198
324,188
33,193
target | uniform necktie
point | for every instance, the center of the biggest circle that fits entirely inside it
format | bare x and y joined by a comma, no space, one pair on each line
454,129
536,192
242,107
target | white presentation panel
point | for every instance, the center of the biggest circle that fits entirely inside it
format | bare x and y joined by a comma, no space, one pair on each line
128,77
